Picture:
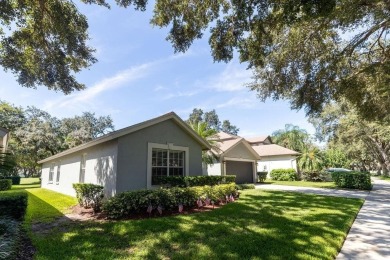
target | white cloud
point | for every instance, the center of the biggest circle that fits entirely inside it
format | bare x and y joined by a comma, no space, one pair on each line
240,102
86,97
233,78
119,79
180,94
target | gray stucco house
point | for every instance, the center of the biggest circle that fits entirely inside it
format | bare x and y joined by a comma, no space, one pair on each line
129,158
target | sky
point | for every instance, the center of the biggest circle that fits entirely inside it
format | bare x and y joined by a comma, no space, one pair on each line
138,76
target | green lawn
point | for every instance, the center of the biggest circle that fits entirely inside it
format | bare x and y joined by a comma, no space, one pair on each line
386,178
27,183
260,225
329,185
45,205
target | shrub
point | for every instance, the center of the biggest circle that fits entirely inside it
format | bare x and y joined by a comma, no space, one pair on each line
261,176
191,181
128,203
5,184
15,179
352,180
89,195
10,237
13,204
314,176
248,186
283,175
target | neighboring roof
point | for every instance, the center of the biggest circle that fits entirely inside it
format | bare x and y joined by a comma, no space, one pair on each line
258,139
227,142
272,150
224,136
124,131
4,130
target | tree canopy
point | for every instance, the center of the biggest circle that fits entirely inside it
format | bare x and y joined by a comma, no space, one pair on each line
366,144
212,121
35,134
309,52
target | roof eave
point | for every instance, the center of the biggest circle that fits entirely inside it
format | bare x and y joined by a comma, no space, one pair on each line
128,130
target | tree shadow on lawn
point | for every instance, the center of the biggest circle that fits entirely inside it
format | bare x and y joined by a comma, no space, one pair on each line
263,225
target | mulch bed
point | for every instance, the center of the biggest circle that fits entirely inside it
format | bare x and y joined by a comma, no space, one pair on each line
81,214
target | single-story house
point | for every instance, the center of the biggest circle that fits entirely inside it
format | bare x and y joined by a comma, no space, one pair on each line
129,158
4,137
235,157
273,156
244,157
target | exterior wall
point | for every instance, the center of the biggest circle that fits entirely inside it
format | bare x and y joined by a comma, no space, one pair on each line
214,169
133,153
276,162
101,161
240,151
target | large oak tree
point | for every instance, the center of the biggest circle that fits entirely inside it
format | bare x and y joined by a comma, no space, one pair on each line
307,51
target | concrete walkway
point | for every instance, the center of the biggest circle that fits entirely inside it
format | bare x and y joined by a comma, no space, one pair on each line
320,191
369,236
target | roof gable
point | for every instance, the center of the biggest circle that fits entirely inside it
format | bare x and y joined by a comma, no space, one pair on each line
137,127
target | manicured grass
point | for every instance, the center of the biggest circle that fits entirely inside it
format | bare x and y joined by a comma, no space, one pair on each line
45,205
386,178
260,225
329,185
27,183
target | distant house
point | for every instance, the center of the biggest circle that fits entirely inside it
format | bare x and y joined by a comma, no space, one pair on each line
4,137
272,156
128,159
235,157
244,157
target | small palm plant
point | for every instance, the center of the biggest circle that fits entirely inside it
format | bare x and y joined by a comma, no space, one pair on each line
210,135
311,159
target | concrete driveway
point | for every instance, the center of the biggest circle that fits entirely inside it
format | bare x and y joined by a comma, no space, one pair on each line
369,236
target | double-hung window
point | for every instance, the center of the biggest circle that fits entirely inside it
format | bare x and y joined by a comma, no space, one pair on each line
82,168
58,173
166,163
51,173
167,160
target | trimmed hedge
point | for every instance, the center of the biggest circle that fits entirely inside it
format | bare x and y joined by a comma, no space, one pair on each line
89,195
5,184
261,176
191,181
13,204
352,180
10,237
15,179
314,176
284,174
248,186
128,203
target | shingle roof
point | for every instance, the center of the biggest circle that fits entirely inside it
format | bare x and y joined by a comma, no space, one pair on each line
257,139
124,131
225,144
273,149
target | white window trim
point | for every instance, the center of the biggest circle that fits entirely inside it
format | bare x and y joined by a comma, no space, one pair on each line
83,157
52,166
168,146
58,173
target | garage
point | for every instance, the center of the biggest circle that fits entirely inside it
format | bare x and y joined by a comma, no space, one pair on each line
242,170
